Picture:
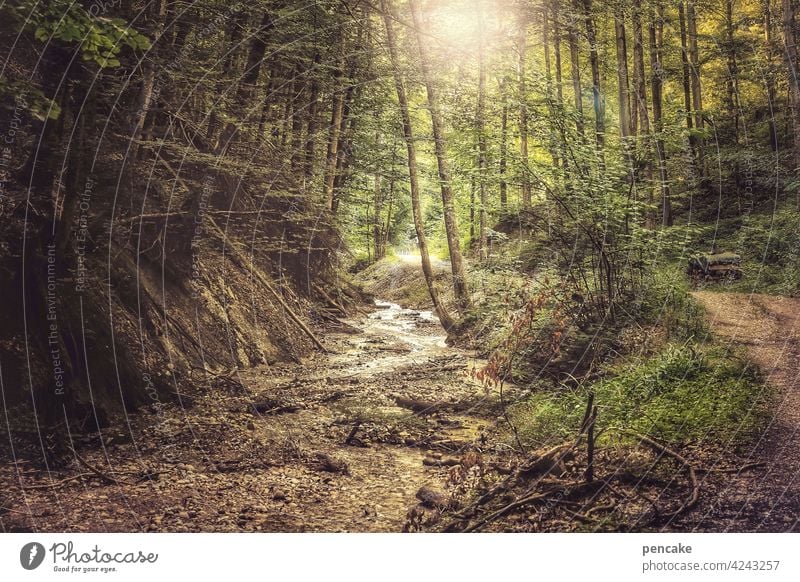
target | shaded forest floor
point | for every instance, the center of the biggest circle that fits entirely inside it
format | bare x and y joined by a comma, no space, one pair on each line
354,439
340,443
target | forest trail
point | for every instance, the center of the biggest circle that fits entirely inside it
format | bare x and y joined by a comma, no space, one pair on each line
342,442
769,327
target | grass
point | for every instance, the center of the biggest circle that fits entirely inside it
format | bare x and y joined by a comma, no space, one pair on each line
660,379
686,393
769,244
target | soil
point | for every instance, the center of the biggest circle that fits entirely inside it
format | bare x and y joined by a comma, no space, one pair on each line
767,499
341,442
352,440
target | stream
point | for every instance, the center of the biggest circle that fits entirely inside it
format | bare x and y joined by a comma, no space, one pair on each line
341,442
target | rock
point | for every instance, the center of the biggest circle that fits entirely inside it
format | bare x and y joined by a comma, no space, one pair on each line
267,405
278,495
441,462
549,462
432,498
325,462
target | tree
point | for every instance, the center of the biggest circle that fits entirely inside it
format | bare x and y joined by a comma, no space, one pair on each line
450,222
413,174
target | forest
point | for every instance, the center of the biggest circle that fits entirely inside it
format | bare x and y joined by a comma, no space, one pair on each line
399,265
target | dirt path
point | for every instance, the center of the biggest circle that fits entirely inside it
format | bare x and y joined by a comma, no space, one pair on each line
268,450
769,327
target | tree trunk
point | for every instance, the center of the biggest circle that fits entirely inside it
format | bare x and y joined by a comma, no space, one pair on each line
556,11
298,87
503,146
255,59
697,92
233,36
732,80
770,73
594,61
576,72
656,38
408,134
687,83
311,126
790,46
337,110
377,198
623,83
641,125
145,95
450,221
640,122
525,184
481,123
548,69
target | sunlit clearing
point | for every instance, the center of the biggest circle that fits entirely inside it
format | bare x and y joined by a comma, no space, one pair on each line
409,257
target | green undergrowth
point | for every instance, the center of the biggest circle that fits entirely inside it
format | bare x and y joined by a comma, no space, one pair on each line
769,244
661,374
687,392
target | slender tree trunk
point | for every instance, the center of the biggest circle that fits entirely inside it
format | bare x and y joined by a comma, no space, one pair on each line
522,49
337,110
377,223
472,189
548,68
790,47
642,123
623,82
481,122
144,98
255,60
234,34
345,150
575,70
311,127
655,31
557,38
503,166
687,83
770,73
732,80
408,134
697,91
450,221
594,61
266,105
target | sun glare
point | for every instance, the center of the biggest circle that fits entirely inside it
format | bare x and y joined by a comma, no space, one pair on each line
456,24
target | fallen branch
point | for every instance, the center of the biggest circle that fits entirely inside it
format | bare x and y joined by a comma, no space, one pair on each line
331,301
690,471
736,470
104,476
56,484
487,519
